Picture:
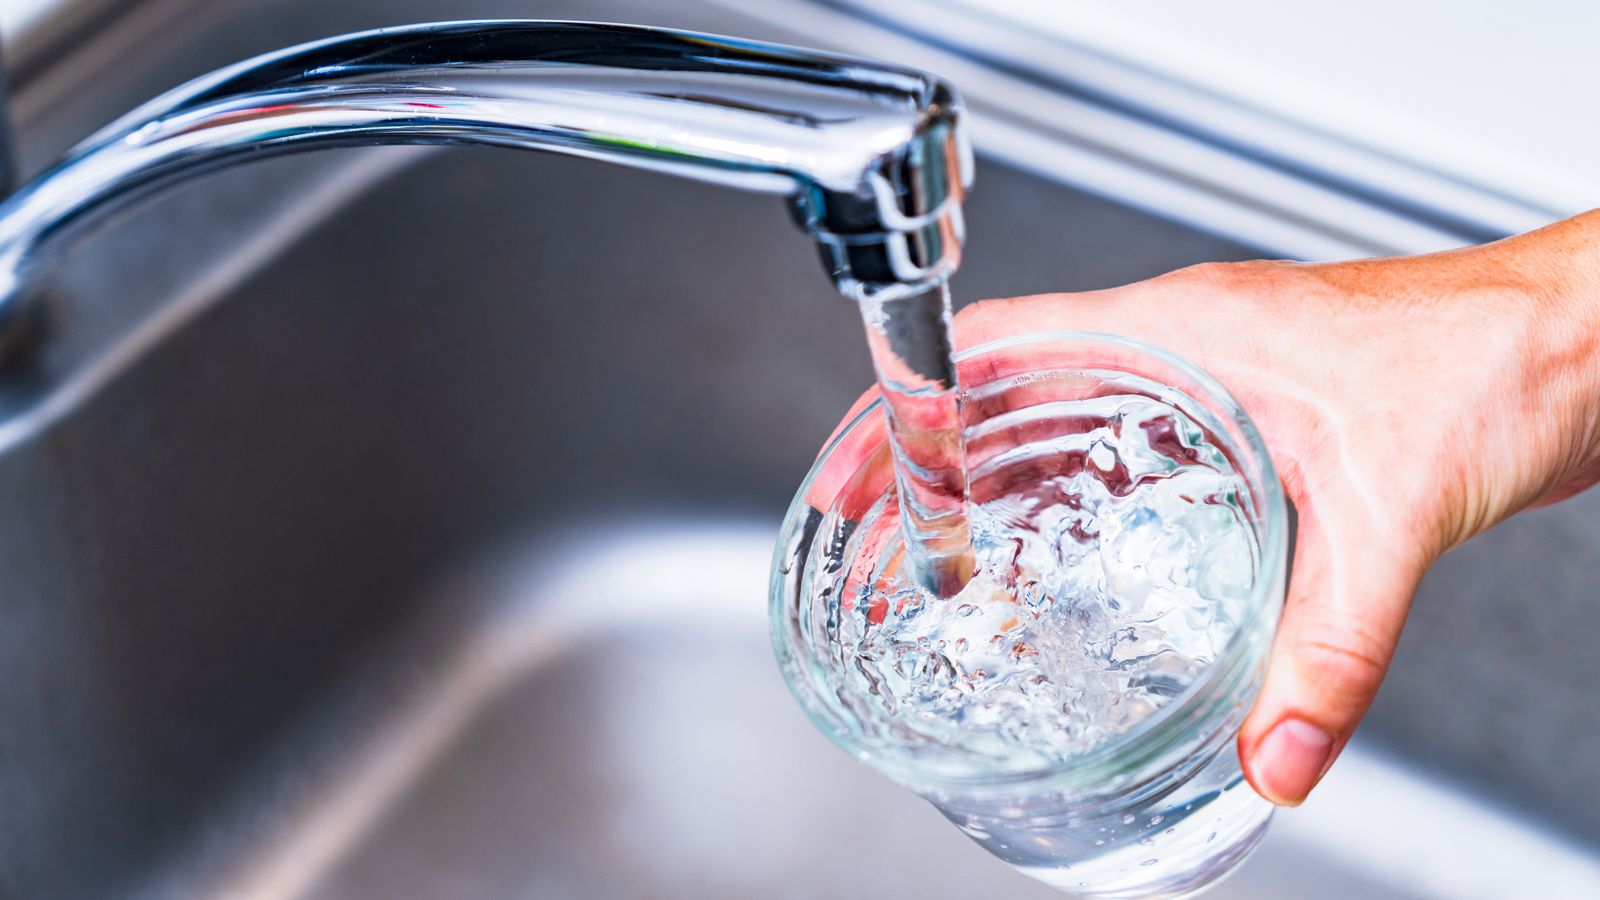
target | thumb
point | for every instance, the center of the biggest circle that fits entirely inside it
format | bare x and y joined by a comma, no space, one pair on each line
1346,606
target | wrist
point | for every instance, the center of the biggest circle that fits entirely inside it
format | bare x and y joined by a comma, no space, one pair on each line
1560,266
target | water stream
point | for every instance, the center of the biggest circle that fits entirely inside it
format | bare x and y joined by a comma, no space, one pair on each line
913,357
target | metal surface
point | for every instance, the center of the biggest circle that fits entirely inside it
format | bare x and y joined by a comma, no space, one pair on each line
1119,130
291,600
874,157
8,162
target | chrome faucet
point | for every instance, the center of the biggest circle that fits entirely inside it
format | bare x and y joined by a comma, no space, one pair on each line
874,158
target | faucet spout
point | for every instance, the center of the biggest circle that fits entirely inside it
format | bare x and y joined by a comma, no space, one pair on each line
874,157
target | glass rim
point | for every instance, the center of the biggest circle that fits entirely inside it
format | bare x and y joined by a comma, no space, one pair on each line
1155,736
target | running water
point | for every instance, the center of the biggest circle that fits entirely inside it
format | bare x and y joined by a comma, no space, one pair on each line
1050,570
913,356
1114,561
1071,708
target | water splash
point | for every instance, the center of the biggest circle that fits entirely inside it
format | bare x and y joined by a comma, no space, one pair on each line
1105,582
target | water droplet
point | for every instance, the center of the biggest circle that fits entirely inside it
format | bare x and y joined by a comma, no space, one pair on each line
1148,842
1170,830
1128,819
1149,862
966,609
1157,819
1212,837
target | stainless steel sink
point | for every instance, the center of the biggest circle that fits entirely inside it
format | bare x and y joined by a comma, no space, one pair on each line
396,525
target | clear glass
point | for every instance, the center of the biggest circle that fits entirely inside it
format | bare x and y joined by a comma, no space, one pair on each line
1156,808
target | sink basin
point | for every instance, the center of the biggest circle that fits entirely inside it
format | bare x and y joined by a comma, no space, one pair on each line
395,524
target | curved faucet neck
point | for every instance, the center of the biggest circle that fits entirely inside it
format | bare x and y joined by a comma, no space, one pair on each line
874,157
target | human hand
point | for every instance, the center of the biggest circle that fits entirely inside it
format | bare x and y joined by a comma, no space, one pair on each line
1409,404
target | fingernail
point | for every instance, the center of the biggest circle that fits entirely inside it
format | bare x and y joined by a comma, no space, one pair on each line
1289,760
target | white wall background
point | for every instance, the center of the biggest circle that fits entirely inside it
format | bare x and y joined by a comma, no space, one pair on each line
1501,92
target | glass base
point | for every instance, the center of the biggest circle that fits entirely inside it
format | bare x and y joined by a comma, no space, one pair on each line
1191,859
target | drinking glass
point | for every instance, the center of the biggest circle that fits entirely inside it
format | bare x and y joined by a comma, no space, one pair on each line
1160,809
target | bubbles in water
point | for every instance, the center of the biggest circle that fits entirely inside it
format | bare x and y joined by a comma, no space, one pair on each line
1106,582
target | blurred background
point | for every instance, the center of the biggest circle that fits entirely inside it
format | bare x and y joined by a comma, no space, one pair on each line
395,522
